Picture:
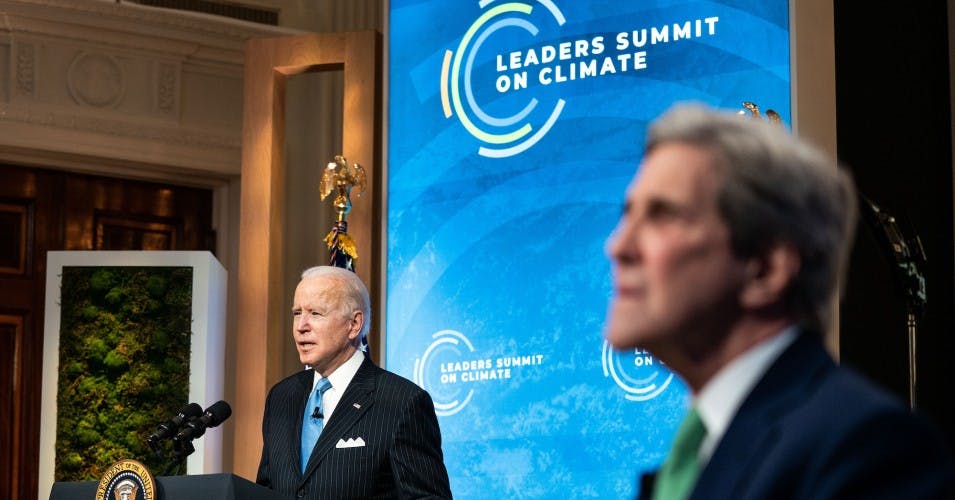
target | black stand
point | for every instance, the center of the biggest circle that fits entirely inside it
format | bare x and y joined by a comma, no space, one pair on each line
907,254
181,449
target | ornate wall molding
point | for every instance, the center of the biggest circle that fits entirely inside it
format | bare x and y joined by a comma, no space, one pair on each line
150,20
112,128
96,79
118,80
26,69
167,88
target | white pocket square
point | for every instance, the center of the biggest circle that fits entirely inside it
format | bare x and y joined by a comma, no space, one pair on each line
350,443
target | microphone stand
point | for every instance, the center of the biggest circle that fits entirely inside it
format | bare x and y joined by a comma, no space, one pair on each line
154,445
182,449
912,328
907,254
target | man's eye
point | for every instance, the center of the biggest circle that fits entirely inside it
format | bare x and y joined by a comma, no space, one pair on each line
660,211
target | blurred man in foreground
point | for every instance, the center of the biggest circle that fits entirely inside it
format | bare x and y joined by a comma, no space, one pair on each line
726,266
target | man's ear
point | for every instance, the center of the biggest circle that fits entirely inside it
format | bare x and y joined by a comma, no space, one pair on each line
769,275
357,321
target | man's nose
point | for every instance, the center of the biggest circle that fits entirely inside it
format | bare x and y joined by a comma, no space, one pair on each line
621,241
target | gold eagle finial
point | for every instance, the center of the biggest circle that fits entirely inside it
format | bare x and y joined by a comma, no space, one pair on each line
754,112
340,177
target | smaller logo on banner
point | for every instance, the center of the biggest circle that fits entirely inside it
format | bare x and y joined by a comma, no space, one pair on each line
641,376
452,370
126,480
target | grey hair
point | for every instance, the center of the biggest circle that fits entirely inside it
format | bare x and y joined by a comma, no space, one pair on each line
774,189
354,296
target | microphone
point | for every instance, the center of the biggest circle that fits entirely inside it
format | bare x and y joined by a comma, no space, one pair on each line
196,427
169,428
317,413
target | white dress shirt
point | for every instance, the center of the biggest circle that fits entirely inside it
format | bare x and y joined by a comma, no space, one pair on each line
722,396
340,378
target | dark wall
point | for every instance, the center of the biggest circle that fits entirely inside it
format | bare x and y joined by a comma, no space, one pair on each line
894,132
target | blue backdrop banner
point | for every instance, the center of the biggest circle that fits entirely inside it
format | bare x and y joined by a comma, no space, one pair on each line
514,129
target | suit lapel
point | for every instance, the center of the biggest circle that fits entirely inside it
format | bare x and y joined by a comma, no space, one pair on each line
357,399
744,443
756,426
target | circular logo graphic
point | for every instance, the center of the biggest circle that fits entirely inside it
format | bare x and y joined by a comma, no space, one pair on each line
450,369
503,136
448,346
640,375
126,480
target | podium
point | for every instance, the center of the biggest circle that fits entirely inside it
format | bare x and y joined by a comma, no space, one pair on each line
197,487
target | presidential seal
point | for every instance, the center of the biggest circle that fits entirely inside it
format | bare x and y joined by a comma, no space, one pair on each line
126,480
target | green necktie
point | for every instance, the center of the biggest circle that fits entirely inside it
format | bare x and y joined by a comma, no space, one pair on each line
678,473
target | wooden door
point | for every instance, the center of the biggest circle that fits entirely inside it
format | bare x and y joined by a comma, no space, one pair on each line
43,210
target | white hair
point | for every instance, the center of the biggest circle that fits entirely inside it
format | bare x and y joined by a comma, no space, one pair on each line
354,296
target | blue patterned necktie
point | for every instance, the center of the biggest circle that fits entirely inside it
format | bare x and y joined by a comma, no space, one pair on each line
313,419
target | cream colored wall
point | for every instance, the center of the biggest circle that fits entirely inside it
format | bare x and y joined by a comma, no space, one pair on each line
314,137
262,334
313,126
313,129
313,123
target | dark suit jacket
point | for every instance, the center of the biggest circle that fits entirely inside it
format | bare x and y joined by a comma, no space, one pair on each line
401,457
813,430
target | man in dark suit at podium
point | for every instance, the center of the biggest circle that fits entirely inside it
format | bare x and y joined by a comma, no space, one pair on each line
346,428
726,265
